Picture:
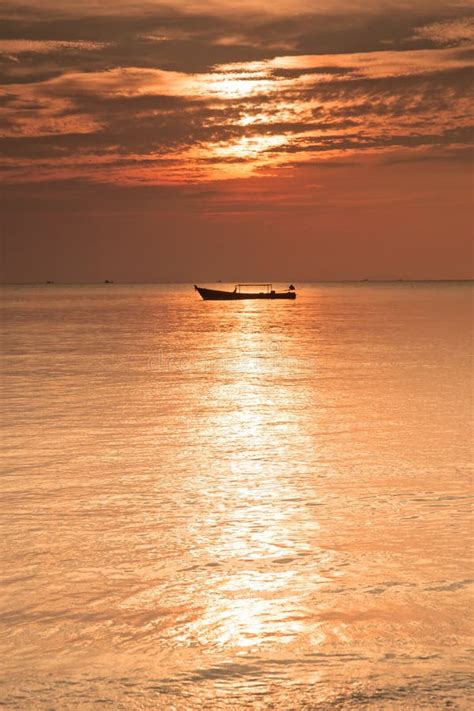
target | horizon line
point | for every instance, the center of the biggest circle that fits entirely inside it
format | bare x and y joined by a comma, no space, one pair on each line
276,281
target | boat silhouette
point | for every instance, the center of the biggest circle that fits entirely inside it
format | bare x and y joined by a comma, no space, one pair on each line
238,294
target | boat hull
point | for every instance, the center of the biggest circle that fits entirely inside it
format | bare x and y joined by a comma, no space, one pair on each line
218,295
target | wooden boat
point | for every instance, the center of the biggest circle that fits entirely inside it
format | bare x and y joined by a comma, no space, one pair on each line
238,294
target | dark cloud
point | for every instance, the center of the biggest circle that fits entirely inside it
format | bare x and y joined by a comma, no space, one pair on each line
360,142
159,123
58,105
287,73
456,81
193,42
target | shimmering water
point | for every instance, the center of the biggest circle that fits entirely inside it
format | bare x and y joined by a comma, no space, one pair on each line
236,505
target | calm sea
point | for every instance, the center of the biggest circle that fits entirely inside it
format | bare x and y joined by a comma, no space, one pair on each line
236,505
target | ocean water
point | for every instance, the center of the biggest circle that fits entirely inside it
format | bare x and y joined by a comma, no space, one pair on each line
237,505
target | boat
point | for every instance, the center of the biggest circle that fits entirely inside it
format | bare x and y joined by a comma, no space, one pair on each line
239,293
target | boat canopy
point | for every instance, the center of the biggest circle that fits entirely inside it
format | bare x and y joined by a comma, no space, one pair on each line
267,286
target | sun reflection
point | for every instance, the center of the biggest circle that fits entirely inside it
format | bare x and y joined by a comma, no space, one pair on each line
265,537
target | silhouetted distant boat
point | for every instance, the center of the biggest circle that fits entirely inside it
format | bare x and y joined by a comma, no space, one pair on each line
108,281
238,294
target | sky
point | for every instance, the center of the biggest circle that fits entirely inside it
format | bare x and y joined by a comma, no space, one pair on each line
290,140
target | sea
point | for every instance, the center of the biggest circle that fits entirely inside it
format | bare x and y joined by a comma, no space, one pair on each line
237,505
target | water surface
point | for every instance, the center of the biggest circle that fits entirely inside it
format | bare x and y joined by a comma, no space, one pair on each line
241,504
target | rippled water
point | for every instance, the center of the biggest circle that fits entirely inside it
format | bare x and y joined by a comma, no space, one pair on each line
231,505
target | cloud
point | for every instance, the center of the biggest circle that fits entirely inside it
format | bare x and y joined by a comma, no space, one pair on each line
449,33
194,37
14,47
162,94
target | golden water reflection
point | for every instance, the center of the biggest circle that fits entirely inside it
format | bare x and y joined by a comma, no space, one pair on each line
238,496
257,594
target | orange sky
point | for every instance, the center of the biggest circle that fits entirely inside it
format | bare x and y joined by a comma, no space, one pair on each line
235,140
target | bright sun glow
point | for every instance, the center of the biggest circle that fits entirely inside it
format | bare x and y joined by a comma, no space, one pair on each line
234,86
249,147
